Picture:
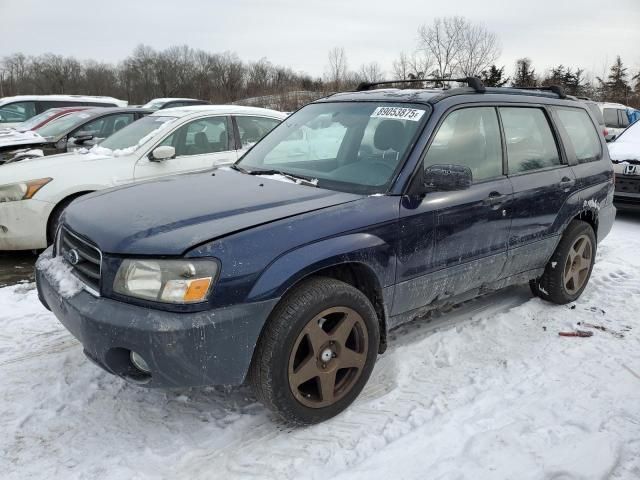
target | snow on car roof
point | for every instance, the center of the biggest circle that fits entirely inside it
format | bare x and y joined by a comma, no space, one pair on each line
76,98
216,109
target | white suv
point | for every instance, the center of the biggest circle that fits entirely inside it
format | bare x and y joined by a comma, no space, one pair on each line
615,119
34,192
15,110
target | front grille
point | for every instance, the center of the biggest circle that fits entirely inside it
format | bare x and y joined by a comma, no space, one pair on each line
84,257
627,183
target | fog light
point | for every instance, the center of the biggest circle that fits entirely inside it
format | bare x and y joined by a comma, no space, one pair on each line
139,362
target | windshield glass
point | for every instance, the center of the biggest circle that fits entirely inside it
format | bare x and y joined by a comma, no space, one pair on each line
354,147
62,125
136,133
37,120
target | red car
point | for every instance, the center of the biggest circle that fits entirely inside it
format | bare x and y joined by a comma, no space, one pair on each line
45,117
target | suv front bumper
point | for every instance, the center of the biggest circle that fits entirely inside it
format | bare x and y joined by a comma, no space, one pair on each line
181,349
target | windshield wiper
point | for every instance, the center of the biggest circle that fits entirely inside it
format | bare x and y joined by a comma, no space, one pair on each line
296,178
239,168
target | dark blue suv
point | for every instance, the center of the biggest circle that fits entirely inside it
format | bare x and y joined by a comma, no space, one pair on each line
361,211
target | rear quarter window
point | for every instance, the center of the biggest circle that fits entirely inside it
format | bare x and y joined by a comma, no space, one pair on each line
582,133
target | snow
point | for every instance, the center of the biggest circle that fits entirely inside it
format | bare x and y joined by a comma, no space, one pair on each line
488,390
627,146
59,273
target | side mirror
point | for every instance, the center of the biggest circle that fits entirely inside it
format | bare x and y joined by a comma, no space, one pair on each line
162,153
81,137
447,178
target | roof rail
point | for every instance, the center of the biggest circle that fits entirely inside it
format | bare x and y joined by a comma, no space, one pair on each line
473,82
557,89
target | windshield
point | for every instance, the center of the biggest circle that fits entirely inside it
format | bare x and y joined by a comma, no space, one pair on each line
355,147
37,120
631,134
136,133
62,125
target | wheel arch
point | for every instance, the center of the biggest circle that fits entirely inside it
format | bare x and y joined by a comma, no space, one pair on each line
363,261
63,202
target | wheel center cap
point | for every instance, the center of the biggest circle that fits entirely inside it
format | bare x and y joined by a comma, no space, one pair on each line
326,355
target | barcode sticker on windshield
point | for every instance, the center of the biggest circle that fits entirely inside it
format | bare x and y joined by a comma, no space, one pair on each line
398,113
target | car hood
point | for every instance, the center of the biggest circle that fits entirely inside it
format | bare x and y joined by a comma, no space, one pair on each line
172,215
42,167
627,150
9,138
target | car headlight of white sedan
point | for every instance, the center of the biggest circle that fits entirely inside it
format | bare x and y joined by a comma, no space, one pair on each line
169,281
14,192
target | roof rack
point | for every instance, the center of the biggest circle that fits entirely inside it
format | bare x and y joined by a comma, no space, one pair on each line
473,82
557,89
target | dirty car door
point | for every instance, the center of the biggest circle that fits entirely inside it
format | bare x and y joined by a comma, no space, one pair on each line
453,242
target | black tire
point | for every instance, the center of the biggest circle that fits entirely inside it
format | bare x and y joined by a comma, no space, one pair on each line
54,218
552,286
271,374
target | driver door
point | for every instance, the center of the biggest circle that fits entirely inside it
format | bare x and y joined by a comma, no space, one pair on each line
200,145
455,241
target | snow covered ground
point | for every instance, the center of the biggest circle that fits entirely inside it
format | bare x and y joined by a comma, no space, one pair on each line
486,391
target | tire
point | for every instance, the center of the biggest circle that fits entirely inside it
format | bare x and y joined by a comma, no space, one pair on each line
569,269
54,219
310,326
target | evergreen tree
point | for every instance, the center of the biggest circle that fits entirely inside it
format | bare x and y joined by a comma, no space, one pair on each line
616,88
494,77
525,74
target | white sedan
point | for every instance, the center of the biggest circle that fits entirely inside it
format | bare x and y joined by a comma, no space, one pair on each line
34,192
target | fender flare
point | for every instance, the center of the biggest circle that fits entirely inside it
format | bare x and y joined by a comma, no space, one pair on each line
293,266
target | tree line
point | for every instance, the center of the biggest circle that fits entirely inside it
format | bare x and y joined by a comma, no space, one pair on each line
447,47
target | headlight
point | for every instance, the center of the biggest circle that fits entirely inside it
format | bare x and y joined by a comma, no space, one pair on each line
168,281
22,190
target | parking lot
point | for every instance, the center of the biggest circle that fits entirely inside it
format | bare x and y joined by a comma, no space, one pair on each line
16,267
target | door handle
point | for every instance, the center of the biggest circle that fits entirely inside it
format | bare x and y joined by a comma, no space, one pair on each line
566,183
494,198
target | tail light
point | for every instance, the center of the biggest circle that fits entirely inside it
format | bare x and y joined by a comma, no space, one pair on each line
605,132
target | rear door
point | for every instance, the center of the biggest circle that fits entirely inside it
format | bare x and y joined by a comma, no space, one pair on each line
200,145
453,242
542,181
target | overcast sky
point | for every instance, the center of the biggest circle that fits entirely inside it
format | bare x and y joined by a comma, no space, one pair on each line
299,33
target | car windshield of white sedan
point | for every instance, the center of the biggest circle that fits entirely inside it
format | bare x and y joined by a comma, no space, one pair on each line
62,125
136,133
348,146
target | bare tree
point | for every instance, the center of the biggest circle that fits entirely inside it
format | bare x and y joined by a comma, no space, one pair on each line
479,49
371,72
443,40
337,69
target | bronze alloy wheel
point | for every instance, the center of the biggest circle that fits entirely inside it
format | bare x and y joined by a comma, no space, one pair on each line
328,357
576,269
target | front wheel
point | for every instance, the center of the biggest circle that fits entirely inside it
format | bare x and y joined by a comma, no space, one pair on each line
568,272
316,352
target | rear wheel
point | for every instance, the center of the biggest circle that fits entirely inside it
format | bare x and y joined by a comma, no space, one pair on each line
317,351
568,272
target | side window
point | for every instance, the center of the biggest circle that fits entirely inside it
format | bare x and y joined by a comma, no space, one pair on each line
206,135
582,133
530,142
469,137
46,105
623,119
93,127
252,129
611,117
17,112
